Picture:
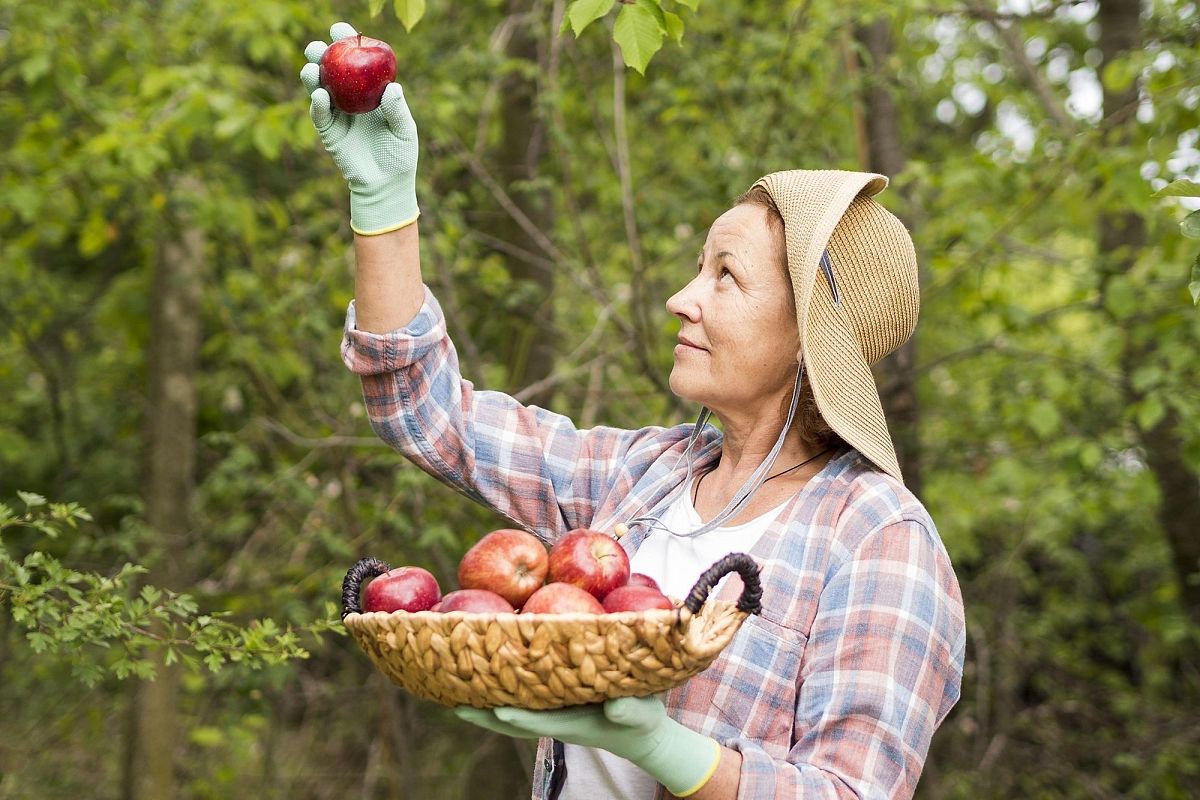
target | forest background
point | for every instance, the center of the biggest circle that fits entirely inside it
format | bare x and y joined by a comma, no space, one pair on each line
186,470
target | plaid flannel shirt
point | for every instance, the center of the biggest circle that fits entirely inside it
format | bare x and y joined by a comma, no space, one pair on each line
835,690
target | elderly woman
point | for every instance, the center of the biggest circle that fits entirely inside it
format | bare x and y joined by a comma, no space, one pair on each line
837,687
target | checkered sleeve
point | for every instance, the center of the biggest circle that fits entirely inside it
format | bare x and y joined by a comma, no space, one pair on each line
882,668
530,465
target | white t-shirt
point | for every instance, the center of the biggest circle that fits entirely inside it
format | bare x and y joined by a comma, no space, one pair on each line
676,562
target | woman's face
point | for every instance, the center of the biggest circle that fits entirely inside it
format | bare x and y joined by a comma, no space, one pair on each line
738,337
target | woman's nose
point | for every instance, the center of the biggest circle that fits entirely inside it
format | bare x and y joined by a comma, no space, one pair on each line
683,304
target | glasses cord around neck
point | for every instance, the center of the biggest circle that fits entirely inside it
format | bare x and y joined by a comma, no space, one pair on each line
748,488
696,494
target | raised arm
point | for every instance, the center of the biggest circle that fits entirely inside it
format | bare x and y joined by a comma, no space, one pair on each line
529,464
388,291
377,154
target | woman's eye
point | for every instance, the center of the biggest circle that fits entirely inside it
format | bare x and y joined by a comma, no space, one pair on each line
725,273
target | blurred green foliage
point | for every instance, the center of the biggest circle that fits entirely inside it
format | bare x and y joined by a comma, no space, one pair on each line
1083,671
68,614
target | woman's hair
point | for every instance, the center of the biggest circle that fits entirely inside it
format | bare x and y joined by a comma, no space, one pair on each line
814,431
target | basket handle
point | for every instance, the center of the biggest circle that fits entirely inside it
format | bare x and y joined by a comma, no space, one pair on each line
751,599
363,569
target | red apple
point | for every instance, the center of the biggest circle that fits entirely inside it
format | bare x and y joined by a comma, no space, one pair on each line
477,600
638,579
635,598
355,71
402,589
591,560
509,562
561,598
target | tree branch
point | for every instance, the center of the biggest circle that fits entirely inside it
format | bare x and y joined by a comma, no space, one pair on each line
498,43
1014,44
484,176
325,442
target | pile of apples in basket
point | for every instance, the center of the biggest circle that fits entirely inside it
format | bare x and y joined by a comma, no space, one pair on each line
510,570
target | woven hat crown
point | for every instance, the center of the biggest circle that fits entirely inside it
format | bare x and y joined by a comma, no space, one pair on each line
872,267
875,268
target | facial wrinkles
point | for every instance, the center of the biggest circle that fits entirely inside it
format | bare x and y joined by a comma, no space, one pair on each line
726,305
742,289
732,314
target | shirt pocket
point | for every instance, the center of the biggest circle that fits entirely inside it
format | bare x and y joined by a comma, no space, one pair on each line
756,695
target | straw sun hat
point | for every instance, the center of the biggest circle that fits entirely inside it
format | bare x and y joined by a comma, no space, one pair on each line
863,308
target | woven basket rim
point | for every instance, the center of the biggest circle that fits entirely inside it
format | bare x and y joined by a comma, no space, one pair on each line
573,616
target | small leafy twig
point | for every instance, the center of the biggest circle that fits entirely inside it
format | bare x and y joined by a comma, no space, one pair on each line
66,612
1190,227
640,28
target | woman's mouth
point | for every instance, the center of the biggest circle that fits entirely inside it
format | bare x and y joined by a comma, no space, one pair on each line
686,346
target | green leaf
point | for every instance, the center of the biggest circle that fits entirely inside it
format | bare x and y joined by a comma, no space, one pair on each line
231,125
409,12
1149,412
1120,73
1146,377
674,26
266,141
94,235
35,66
1191,225
1044,418
31,499
639,33
691,4
88,673
582,13
1090,455
206,736
655,8
1122,298
1179,188
1194,283
375,6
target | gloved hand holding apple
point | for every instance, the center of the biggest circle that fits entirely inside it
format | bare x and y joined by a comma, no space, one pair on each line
365,124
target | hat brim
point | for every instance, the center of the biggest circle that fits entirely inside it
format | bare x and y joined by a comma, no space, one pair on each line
812,203
843,384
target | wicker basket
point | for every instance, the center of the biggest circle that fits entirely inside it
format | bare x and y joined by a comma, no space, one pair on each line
541,661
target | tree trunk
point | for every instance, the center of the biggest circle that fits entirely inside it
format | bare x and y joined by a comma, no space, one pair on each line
500,769
518,159
168,481
1122,236
885,155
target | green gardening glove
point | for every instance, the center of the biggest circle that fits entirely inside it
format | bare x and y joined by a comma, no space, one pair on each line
634,728
376,151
